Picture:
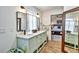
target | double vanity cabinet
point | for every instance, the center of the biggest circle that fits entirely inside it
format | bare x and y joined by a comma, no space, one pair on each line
31,42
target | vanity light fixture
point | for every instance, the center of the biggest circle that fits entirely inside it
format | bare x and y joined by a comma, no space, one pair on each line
22,7
38,15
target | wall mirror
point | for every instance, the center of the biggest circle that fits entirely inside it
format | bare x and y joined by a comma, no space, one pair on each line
71,31
33,23
21,21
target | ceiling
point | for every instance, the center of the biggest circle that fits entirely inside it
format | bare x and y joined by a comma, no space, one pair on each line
45,8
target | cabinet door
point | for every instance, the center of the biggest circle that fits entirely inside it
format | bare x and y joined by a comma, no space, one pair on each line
43,37
32,44
74,39
38,40
23,44
67,38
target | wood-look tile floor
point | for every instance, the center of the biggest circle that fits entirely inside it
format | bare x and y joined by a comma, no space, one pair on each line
71,50
52,47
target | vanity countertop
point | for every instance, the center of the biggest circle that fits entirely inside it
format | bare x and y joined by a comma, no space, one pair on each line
27,36
74,33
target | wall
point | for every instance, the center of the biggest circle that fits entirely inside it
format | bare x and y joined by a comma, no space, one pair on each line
7,28
46,18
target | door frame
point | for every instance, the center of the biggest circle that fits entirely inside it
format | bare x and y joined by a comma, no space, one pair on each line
63,28
51,21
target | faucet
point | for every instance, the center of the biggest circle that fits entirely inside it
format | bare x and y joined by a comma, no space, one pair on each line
24,32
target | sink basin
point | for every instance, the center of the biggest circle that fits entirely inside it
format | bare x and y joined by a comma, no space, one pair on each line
34,31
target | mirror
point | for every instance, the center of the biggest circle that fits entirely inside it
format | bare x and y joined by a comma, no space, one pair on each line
38,23
71,32
21,21
33,23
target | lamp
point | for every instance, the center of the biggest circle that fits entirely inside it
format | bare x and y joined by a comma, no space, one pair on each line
22,9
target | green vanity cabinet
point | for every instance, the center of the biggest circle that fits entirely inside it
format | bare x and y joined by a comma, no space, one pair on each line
71,38
31,43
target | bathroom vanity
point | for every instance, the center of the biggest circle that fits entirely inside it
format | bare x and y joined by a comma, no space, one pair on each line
31,42
29,38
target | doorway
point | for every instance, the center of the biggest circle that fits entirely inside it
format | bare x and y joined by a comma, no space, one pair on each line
56,27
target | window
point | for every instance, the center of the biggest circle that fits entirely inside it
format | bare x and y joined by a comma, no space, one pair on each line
69,24
34,23
31,22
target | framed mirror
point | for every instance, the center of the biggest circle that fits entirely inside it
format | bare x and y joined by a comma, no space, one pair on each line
21,21
70,39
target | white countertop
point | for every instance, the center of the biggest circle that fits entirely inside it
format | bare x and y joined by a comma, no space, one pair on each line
27,36
75,33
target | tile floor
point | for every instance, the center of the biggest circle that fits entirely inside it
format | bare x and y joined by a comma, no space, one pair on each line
52,47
